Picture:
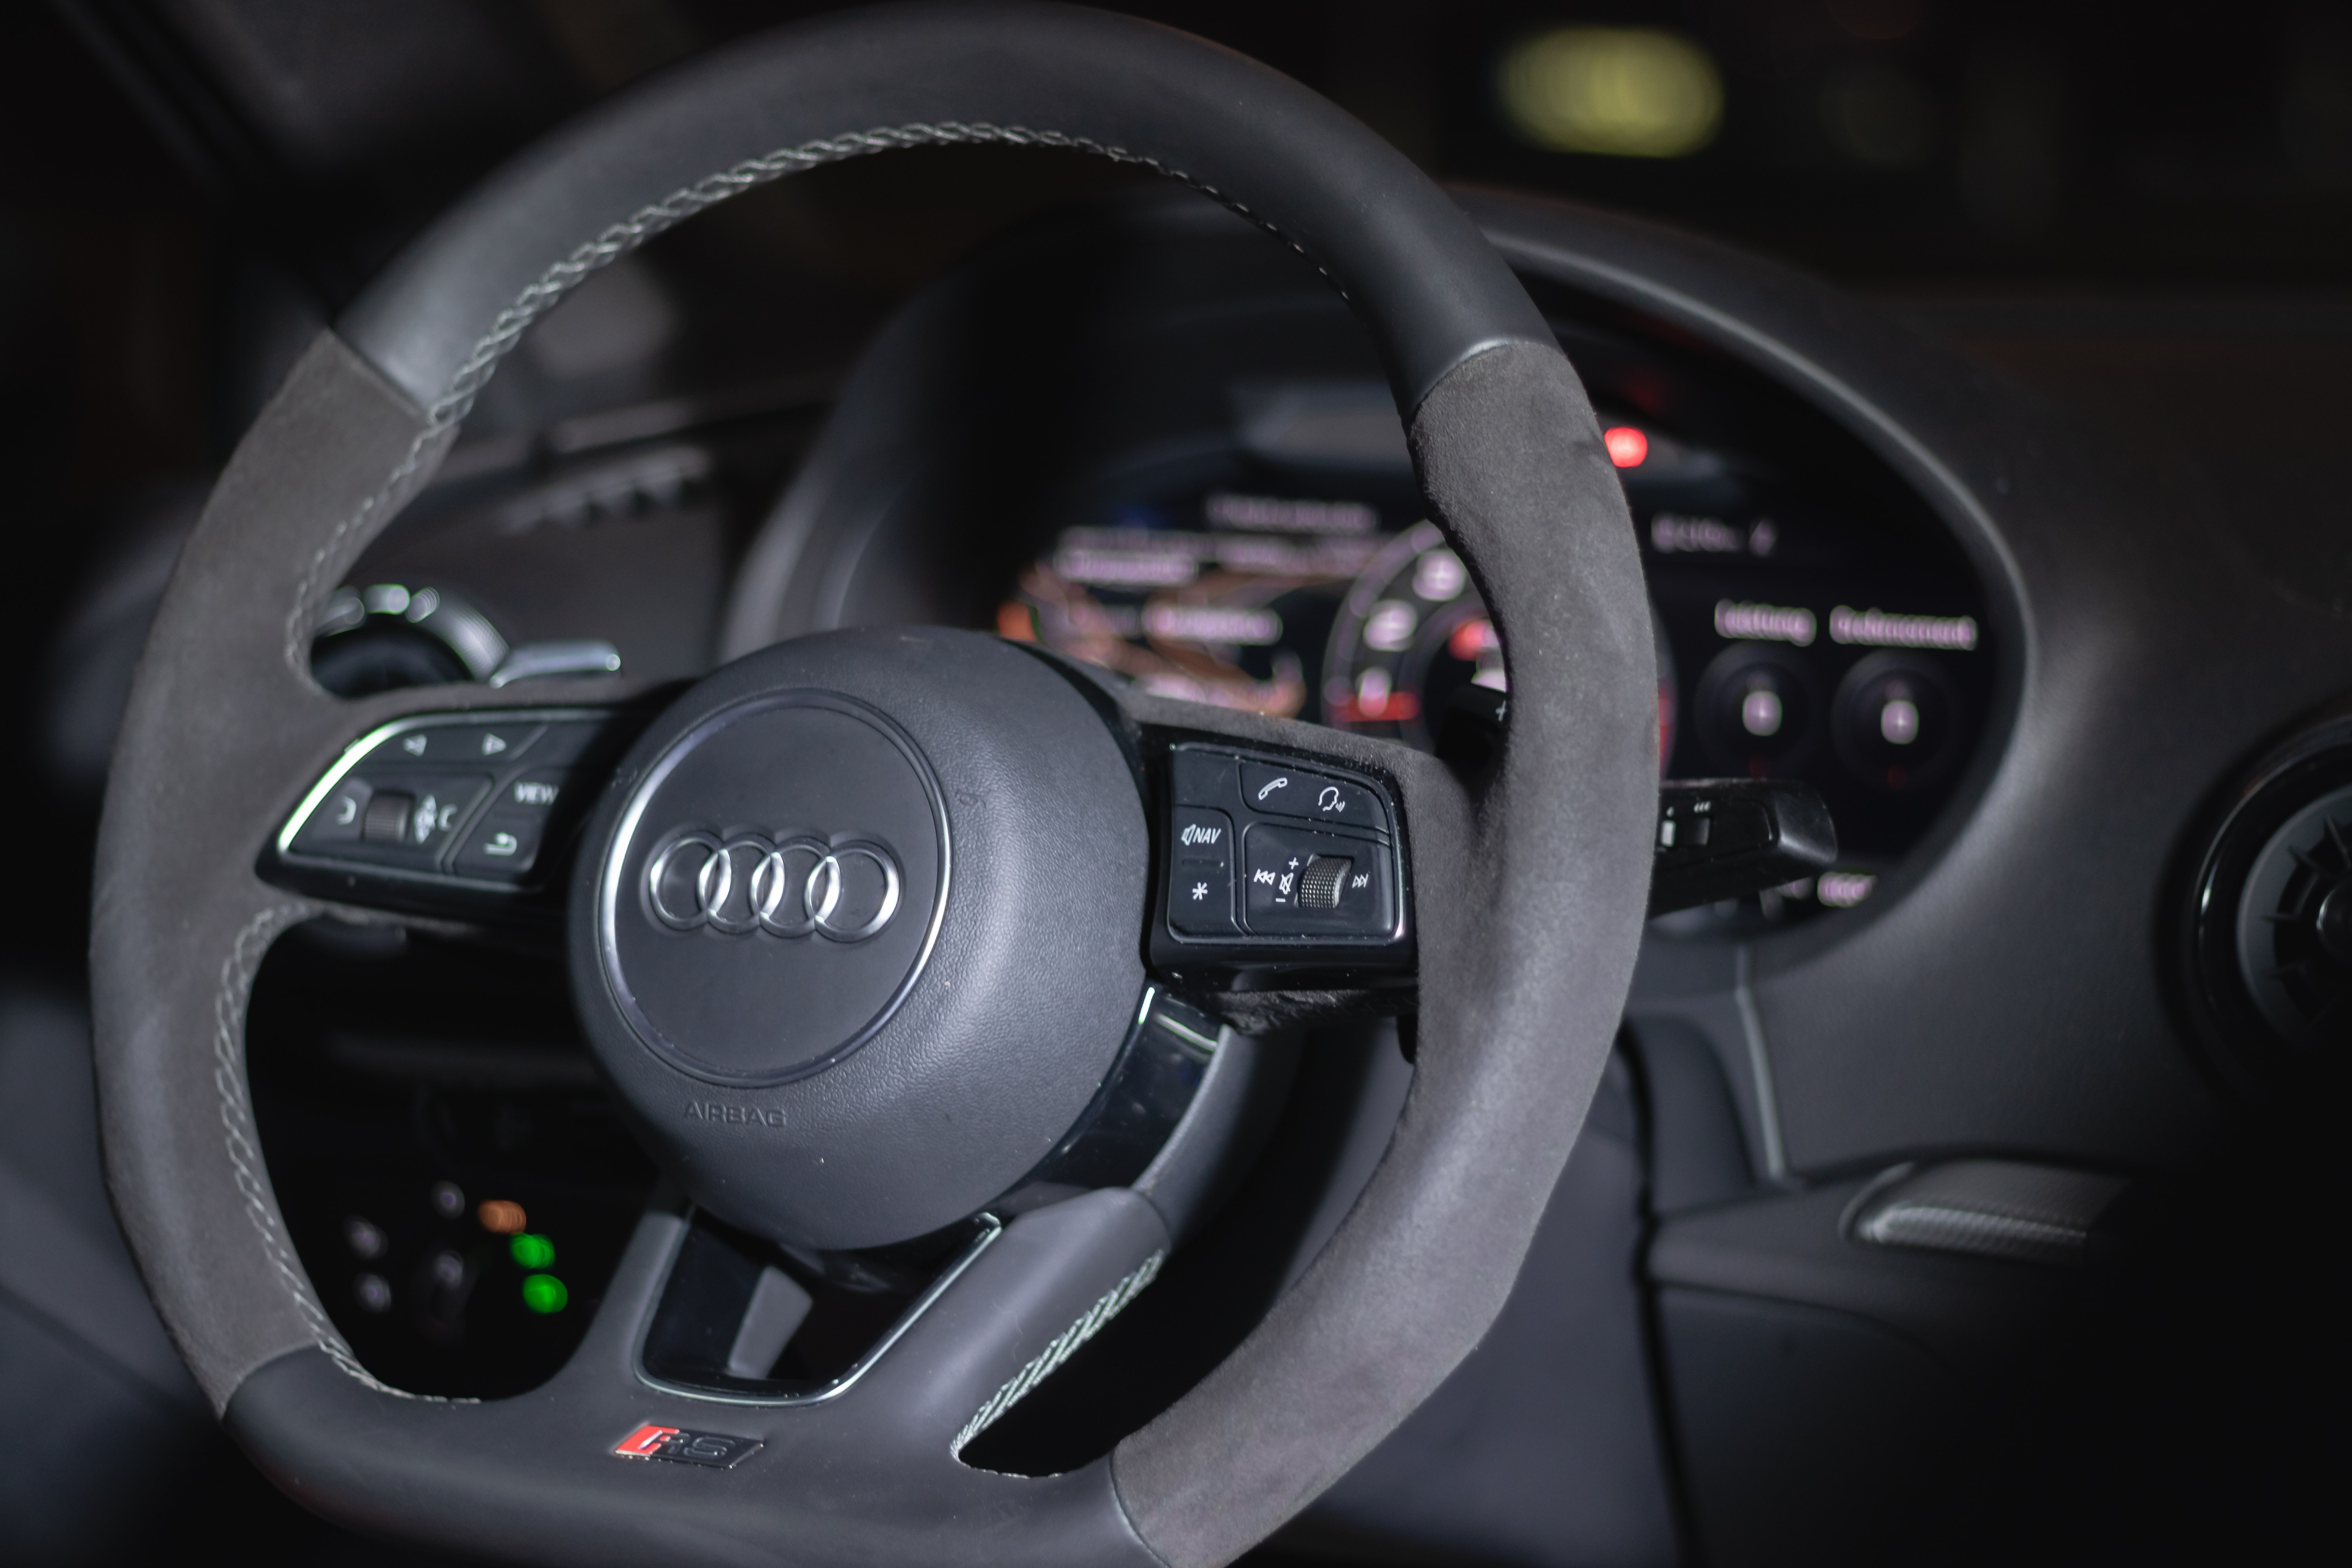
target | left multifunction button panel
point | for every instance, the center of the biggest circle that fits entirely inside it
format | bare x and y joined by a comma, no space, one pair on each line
449,804
1272,863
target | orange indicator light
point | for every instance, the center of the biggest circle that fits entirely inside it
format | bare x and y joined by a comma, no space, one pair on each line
500,1217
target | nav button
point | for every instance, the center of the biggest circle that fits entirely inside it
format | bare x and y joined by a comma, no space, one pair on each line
1201,872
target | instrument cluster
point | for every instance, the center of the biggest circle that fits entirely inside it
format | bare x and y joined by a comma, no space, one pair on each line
1800,634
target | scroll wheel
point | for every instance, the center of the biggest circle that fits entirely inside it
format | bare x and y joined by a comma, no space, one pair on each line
1319,884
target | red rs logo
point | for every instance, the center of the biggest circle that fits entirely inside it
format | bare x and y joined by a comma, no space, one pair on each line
645,1442
714,1450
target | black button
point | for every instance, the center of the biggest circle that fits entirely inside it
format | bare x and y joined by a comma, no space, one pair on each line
463,743
1285,866
535,791
1295,792
1201,872
336,820
1204,778
507,842
504,844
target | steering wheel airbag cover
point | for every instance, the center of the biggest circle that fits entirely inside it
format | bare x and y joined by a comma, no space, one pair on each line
754,955
976,1025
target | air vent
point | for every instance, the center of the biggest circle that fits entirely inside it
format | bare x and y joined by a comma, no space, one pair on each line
2294,923
2269,919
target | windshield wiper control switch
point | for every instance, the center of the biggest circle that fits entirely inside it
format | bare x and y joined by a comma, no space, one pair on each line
1721,838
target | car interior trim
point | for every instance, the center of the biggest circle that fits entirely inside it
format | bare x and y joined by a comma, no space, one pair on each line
990,1228
1759,1064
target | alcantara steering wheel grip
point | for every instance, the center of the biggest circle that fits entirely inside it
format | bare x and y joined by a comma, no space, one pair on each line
1025,827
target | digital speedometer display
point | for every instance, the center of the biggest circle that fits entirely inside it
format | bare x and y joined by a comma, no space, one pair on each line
1230,605
1298,607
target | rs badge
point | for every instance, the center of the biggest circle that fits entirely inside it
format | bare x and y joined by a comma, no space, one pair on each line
716,1449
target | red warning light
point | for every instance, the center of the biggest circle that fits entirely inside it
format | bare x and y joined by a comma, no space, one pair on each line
1471,638
1627,447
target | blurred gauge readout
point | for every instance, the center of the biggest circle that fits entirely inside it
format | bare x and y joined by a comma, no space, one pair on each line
1795,637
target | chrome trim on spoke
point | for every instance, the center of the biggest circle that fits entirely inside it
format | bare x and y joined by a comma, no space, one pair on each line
993,1228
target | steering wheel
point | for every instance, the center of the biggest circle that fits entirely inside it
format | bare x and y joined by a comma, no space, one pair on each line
860,923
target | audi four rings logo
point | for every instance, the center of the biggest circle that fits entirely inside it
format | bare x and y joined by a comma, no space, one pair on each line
800,886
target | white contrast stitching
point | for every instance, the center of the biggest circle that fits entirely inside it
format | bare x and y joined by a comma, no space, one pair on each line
549,290
644,224
244,1149
1065,1345
299,620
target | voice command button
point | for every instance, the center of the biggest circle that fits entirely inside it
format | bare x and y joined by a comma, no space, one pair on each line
1292,792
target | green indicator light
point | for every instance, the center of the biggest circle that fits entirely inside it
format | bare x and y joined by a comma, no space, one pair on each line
544,1293
531,1251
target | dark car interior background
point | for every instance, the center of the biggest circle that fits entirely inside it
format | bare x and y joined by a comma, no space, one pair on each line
1976,380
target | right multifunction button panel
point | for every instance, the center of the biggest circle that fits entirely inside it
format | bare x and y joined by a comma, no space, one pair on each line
1272,860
